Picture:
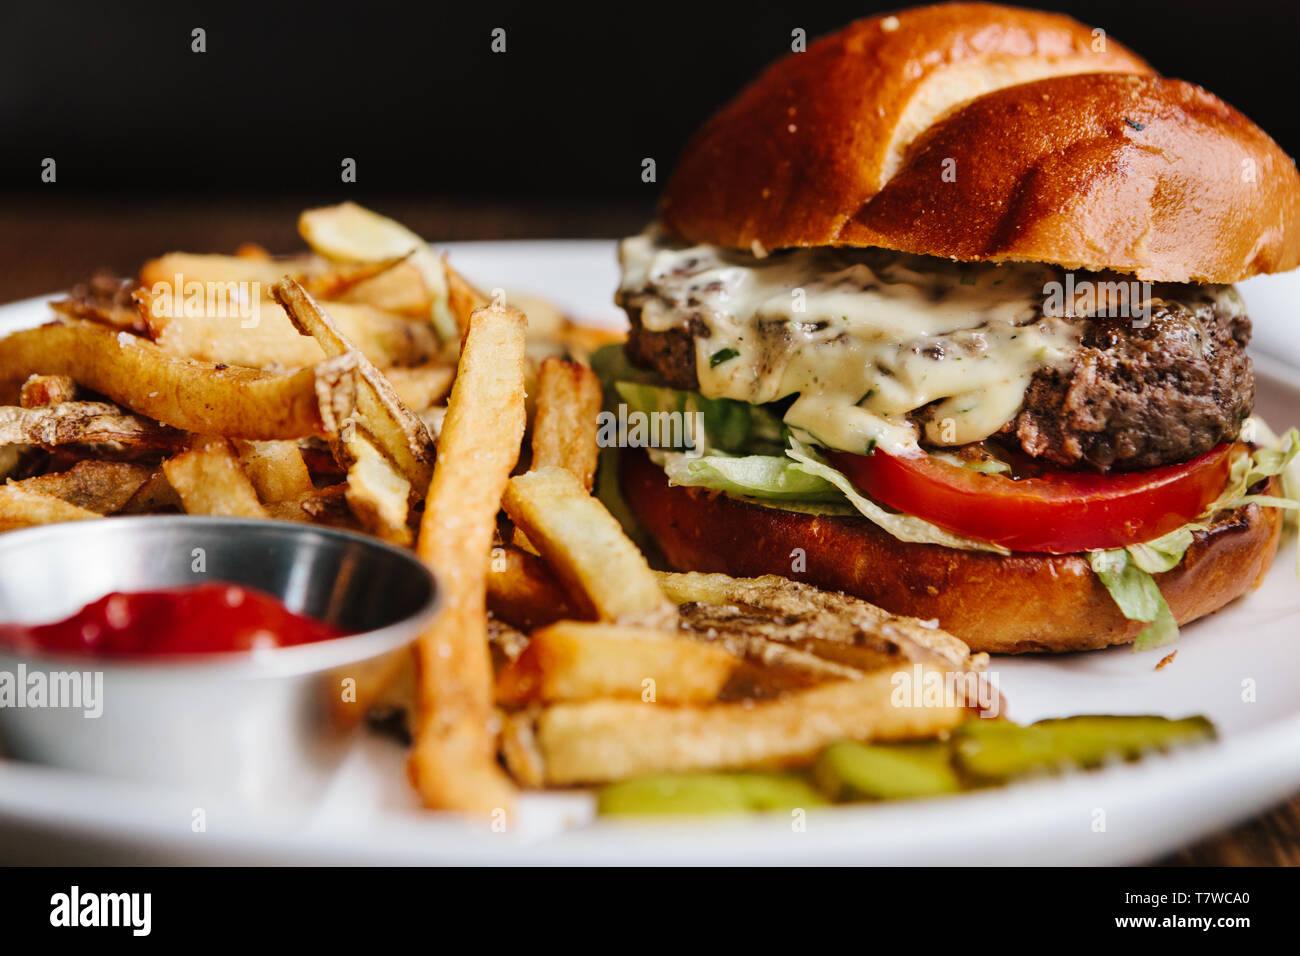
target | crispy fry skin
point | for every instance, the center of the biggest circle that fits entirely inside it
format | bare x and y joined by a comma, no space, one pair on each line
103,487
78,423
395,428
22,508
605,740
585,546
41,390
210,482
155,494
104,299
453,763
826,623
193,396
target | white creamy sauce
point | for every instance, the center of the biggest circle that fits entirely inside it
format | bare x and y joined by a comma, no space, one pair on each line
862,337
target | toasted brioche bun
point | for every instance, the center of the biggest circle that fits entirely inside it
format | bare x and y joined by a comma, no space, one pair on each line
1138,174
986,133
1002,604
800,150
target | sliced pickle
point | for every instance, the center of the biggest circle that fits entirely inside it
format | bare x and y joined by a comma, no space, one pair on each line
707,793
990,751
847,770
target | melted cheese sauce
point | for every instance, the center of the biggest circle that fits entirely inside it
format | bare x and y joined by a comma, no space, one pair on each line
864,338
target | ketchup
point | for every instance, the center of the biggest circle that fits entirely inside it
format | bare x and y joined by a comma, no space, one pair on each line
203,619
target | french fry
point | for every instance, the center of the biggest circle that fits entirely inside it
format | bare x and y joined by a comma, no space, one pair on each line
545,320
453,763
399,289
75,423
193,396
585,546
327,506
829,624
606,740
209,481
154,494
351,233
21,508
104,299
270,339
341,278
224,274
103,487
275,468
376,493
576,660
395,428
569,397
564,432
423,387
522,591
462,298
41,390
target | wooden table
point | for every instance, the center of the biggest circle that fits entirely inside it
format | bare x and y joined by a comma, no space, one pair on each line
49,243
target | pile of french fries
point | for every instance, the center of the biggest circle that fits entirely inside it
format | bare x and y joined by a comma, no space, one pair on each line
378,390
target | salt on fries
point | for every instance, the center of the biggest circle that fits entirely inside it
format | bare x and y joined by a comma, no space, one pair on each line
560,656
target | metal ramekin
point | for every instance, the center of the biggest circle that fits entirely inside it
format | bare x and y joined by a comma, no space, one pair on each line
261,726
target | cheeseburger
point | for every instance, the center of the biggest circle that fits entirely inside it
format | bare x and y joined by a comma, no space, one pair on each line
950,295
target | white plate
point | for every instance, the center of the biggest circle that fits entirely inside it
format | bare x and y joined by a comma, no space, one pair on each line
1122,815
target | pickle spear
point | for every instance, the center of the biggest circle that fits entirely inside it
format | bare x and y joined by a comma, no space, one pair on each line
707,793
991,751
848,770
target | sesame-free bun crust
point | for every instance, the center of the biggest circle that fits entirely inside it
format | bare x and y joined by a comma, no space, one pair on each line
800,150
1026,146
1138,174
1002,604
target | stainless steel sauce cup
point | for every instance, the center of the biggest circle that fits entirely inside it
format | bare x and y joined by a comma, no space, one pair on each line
261,726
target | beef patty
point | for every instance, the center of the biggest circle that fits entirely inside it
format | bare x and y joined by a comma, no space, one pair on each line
1132,398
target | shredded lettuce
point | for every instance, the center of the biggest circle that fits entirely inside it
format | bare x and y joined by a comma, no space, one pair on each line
754,476
1137,595
1127,572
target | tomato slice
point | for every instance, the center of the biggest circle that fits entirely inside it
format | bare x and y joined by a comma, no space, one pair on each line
1060,512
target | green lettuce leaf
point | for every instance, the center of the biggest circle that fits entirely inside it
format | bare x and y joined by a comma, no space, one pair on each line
1137,595
754,476
1127,572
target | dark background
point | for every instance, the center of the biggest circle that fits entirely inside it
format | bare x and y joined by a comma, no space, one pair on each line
160,149
414,94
